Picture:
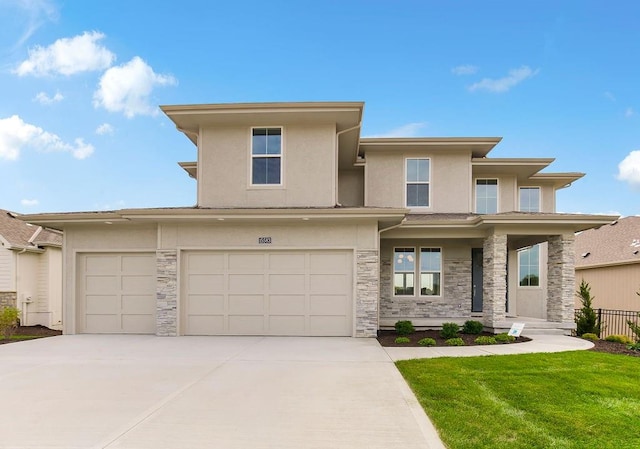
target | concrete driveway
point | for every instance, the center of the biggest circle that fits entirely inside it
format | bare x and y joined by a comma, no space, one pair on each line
103,391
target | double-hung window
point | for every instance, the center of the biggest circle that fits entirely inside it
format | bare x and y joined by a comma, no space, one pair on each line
486,196
417,182
429,274
266,156
530,199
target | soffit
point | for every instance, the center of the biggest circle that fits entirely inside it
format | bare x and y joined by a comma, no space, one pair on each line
478,146
523,168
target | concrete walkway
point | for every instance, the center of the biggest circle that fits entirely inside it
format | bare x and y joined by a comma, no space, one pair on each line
132,391
538,343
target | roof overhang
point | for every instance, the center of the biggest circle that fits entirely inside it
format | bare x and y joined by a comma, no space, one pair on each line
191,168
478,146
384,216
190,118
523,168
558,180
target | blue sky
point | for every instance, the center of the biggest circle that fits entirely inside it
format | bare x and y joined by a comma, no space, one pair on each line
80,85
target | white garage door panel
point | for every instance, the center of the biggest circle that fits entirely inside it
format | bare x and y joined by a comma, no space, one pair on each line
117,293
267,293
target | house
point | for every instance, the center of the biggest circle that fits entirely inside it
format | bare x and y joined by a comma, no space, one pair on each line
608,259
302,227
31,271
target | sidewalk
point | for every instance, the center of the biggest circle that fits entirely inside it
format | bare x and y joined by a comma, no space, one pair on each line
538,343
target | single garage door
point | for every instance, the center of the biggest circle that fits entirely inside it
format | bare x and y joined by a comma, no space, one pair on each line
117,293
267,293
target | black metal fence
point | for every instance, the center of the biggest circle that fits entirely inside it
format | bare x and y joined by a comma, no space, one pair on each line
614,322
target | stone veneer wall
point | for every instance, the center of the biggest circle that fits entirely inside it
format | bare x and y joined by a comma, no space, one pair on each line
8,299
366,293
167,293
561,278
455,301
494,279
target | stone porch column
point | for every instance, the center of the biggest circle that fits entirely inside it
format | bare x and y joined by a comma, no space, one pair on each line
167,293
561,278
494,280
367,293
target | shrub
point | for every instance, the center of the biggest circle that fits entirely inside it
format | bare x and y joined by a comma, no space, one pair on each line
505,338
449,330
405,328
589,336
402,340
427,342
586,318
8,321
634,347
635,327
620,339
455,342
472,327
485,340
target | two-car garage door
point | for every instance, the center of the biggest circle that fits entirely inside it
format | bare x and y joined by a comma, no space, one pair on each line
221,293
267,293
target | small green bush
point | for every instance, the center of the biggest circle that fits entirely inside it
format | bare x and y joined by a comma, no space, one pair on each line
634,347
449,330
485,340
8,321
455,342
402,340
404,328
505,338
472,327
586,317
620,339
427,342
589,336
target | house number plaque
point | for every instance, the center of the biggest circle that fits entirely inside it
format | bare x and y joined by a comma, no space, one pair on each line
264,240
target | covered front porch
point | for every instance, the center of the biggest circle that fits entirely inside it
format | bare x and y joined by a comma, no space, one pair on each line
479,273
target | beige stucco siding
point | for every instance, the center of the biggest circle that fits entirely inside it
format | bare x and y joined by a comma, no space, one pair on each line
308,168
449,182
612,287
303,235
351,187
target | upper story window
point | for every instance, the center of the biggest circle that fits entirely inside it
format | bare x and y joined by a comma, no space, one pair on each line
530,199
266,156
486,196
417,181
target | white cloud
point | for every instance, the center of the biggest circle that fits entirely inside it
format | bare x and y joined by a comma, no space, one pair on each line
16,135
408,130
515,76
629,169
31,15
629,112
45,99
127,88
103,129
466,69
27,202
67,56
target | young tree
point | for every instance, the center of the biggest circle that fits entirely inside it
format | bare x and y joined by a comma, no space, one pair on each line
8,321
635,328
586,317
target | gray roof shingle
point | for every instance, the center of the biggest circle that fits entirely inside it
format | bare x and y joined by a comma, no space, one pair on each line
24,235
614,243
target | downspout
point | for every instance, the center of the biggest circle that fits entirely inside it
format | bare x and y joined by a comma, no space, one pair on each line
358,126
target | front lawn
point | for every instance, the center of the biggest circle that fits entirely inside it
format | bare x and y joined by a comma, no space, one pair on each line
579,399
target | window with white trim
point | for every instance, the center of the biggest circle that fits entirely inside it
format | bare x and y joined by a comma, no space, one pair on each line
530,199
529,267
486,196
417,182
430,271
266,156
404,267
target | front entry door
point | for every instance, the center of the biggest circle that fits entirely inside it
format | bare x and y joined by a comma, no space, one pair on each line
476,279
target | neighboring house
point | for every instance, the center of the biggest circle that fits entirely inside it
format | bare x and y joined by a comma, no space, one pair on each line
302,227
31,271
608,258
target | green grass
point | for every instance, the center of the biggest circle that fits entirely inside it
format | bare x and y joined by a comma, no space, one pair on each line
577,399
25,337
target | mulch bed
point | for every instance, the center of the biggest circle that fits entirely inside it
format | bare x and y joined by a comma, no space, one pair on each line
387,338
37,331
613,348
